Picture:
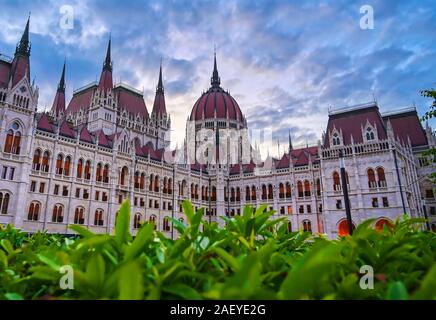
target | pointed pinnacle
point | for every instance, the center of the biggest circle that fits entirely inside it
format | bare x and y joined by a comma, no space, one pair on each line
61,86
107,61
160,87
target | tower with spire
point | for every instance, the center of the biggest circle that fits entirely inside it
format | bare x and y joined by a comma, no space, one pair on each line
106,83
58,107
159,117
102,113
215,81
290,147
21,64
21,92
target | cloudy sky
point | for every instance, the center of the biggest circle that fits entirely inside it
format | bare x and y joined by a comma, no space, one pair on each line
286,63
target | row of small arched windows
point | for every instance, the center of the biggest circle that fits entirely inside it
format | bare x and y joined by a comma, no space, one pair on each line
306,224
79,215
373,181
41,162
194,191
34,211
285,191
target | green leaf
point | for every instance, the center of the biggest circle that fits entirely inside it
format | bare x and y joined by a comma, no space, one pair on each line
182,291
3,260
95,270
122,224
81,230
130,282
315,267
178,225
13,296
6,244
44,273
230,260
49,261
188,210
427,289
138,245
397,291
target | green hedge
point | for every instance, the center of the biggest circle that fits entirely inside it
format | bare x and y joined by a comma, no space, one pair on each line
253,257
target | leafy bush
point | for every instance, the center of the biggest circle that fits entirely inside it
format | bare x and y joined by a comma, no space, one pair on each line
253,257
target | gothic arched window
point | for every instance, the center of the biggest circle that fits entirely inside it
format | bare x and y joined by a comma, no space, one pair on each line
45,161
88,170
336,181
371,179
300,189
98,217
57,215
307,226
79,169
381,177
4,202
67,165
79,215
335,139
137,221
33,213
13,139
370,134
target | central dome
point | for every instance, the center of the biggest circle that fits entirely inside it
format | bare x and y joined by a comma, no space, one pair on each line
217,104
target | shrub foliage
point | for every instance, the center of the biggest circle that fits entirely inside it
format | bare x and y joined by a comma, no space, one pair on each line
253,257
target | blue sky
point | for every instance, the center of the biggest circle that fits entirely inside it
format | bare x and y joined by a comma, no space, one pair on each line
285,62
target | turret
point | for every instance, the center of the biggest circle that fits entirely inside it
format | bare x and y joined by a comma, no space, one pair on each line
21,62
58,107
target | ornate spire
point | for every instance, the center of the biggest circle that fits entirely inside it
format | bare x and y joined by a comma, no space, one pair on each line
159,107
215,81
160,88
107,62
61,85
106,82
23,47
290,142
58,107
20,64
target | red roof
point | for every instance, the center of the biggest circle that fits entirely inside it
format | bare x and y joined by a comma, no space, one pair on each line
148,149
5,68
283,162
106,83
44,123
102,139
407,124
159,107
352,121
300,157
249,167
20,69
197,167
216,100
81,100
85,135
66,131
235,169
59,102
131,101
